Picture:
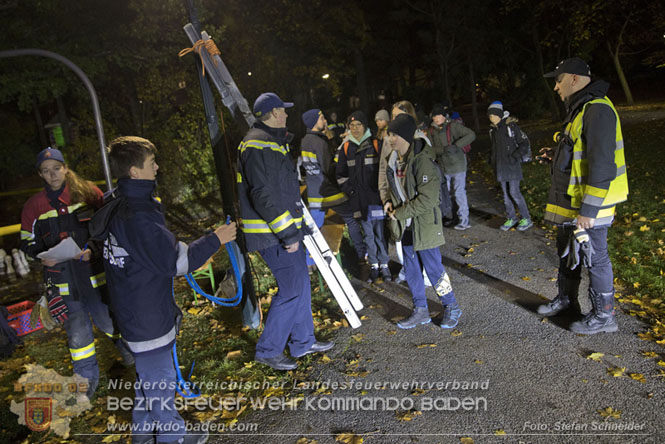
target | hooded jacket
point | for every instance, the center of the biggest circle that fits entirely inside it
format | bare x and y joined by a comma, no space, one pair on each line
417,203
141,258
449,154
510,146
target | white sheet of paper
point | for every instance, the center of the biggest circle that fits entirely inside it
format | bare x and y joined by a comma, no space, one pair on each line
67,249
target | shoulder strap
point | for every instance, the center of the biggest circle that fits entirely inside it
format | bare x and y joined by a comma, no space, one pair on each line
448,133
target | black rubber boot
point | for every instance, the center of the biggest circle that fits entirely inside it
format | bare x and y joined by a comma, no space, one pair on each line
565,300
601,318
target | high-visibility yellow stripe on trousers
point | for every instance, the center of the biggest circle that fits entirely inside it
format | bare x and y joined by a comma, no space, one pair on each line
83,352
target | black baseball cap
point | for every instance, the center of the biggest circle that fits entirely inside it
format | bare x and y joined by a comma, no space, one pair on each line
573,65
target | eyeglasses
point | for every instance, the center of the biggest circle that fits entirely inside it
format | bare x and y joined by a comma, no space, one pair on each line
355,125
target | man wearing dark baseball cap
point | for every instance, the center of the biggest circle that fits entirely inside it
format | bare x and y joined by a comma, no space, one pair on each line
272,218
266,102
588,181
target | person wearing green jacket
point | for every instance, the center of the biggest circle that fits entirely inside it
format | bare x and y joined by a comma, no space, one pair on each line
448,137
415,220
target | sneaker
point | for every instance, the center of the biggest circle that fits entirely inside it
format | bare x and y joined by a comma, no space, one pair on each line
462,227
524,225
451,315
373,274
507,225
385,273
419,316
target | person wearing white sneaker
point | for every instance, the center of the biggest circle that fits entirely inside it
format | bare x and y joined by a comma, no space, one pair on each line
415,220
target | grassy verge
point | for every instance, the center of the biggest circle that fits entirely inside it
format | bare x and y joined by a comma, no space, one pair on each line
637,239
211,337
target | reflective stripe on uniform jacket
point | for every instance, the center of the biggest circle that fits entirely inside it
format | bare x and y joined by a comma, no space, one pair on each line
317,160
589,167
268,189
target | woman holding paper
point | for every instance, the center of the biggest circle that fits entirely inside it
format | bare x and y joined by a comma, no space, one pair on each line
75,286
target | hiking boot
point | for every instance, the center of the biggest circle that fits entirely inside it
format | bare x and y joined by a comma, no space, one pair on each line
385,273
419,316
507,225
600,319
462,227
451,315
279,362
373,274
568,289
524,224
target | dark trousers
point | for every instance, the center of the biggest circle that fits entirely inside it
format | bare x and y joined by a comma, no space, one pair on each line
154,407
601,277
78,326
375,241
414,262
289,319
446,203
512,193
353,225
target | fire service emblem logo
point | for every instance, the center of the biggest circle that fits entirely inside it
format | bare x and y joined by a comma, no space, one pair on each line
38,413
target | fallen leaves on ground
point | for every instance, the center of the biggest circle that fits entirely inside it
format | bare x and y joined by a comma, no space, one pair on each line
408,415
349,438
609,412
617,372
595,356
638,377
500,432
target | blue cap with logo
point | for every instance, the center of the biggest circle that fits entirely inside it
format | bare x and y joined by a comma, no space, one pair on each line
49,153
266,102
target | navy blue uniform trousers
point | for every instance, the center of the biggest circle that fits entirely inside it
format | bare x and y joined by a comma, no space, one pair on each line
601,277
290,316
154,407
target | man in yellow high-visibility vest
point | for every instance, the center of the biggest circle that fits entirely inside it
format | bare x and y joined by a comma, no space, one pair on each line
588,180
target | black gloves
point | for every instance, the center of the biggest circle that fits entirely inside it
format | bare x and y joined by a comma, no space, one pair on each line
579,246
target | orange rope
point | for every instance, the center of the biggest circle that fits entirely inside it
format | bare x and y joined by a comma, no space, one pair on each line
208,45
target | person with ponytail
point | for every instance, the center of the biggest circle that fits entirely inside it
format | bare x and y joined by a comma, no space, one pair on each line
75,288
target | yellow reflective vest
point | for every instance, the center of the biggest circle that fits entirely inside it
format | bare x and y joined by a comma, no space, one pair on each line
570,193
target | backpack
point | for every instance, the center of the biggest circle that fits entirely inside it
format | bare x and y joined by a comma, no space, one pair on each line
523,151
465,148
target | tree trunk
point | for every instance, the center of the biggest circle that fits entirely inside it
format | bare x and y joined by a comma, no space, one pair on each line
40,124
361,80
64,120
620,73
474,102
554,108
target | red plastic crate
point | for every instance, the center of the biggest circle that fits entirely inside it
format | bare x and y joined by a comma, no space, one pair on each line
19,318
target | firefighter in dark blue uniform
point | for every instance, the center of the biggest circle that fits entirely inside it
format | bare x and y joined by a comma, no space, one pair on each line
77,287
271,212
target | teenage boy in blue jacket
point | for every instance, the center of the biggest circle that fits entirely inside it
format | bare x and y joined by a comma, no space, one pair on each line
141,258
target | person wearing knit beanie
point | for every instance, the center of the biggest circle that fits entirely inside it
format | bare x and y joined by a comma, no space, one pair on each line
495,109
310,117
381,118
359,116
404,126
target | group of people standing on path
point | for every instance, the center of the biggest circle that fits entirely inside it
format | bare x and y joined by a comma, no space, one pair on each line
399,181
